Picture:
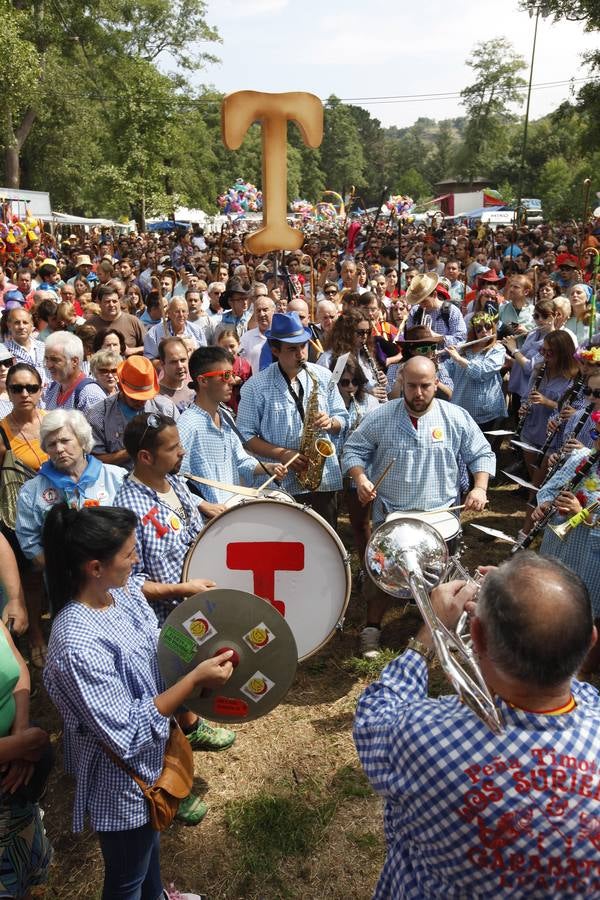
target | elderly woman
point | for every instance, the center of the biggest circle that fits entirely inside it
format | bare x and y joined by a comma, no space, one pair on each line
71,474
103,366
579,297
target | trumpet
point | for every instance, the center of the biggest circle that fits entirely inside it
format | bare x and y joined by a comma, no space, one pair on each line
580,518
408,558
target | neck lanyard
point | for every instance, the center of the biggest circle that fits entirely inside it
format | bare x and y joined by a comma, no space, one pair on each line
297,397
226,416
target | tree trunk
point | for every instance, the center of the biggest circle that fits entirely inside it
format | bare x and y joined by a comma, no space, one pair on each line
16,137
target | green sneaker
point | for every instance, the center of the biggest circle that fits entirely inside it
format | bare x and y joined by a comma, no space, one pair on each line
209,737
191,810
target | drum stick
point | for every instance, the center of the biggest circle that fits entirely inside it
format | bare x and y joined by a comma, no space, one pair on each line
384,473
230,488
316,345
432,512
265,484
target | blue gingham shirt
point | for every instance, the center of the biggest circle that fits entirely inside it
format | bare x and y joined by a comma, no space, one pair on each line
454,330
426,473
87,397
478,387
470,814
267,410
102,675
212,452
35,357
161,549
581,550
108,422
157,333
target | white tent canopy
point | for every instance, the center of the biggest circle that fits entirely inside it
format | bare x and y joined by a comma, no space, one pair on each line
67,219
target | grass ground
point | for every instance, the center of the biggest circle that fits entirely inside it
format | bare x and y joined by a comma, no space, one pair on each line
290,813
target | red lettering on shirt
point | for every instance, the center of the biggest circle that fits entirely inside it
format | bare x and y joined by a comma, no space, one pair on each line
150,519
263,559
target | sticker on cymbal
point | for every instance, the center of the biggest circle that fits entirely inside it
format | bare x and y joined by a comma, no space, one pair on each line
200,628
257,686
180,644
230,706
259,637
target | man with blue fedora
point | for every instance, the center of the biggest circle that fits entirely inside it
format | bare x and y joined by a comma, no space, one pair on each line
273,411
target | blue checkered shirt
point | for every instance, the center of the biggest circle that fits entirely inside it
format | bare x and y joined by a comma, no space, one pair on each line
267,410
212,452
35,358
454,330
157,333
469,814
581,550
88,396
102,675
426,473
478,388
162,539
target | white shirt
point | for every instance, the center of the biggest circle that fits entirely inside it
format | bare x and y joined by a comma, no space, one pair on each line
251,344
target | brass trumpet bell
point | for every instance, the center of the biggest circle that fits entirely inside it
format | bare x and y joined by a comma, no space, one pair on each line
561,531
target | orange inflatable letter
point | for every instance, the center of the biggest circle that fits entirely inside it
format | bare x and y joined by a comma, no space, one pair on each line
273,111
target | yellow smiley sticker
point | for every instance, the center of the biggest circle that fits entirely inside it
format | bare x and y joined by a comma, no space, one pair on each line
437,434
174,523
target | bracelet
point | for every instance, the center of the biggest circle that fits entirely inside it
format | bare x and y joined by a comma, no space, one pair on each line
427,652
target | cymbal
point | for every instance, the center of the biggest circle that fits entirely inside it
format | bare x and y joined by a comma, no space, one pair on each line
265,654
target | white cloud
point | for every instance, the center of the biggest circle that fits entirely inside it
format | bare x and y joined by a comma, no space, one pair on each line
248,8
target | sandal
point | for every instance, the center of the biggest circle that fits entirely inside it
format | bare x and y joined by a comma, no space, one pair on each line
38,656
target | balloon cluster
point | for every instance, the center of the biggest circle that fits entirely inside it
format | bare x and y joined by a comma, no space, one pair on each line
302,208
242,197
326,212
16,233
400,205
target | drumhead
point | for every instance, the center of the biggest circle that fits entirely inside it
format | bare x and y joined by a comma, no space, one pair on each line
447,524
286,554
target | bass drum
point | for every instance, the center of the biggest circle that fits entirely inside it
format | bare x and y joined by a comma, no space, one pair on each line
286,554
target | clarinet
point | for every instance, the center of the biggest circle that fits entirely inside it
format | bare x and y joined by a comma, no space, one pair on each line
569,395
582,472
378,375
563,452
526,407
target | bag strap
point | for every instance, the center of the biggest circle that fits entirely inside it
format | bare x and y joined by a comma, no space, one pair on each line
125,768
4,437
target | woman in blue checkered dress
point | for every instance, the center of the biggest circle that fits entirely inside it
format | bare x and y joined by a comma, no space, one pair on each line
102,674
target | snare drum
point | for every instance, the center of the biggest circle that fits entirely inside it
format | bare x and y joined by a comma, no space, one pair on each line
444,522
284,553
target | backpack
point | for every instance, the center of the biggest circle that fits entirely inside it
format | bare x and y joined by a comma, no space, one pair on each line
13,475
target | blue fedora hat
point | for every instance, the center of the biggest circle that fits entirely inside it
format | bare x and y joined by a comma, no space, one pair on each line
288,328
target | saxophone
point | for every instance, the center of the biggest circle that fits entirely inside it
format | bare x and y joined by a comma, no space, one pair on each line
313,445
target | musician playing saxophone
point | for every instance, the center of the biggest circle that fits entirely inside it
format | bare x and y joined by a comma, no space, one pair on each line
287,401
580,549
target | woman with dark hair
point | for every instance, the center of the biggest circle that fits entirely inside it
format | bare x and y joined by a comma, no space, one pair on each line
109,339
547,384
102,674
526,357
352,333
20,434
352,387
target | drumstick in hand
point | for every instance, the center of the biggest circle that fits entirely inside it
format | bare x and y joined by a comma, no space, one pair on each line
266,483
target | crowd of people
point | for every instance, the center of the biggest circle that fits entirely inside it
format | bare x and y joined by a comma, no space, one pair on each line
377,381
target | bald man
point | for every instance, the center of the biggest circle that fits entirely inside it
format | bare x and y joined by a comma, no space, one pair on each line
470,813
425,437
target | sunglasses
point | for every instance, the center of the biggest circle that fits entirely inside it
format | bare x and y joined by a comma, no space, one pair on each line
423,349
107,371
363,332
19,388
154,422
7,363
346,382
331,293
538,315
223,374
591,392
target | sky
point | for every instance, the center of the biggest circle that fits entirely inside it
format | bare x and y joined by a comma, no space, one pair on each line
377,48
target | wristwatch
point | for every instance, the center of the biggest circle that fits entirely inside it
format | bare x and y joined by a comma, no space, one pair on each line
420,648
